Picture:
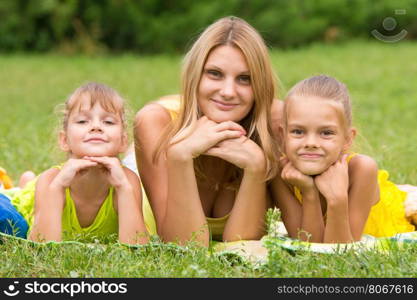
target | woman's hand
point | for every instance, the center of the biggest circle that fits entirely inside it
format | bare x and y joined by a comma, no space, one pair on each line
70,169
242,152
294,177
333,183
204,135
113,170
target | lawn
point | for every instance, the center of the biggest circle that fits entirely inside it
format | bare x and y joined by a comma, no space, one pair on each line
382,80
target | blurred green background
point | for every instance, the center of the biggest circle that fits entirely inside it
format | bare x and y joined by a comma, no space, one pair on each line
160,26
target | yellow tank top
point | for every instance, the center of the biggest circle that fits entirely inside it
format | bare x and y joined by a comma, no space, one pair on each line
215,225
147,212
387,217
104,224
172,104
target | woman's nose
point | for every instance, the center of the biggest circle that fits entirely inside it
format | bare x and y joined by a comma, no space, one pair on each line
228,89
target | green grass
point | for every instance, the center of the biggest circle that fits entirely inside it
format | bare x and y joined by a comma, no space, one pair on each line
381,78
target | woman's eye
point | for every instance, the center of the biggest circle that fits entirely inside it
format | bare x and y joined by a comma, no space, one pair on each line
245,79
214,73
81,121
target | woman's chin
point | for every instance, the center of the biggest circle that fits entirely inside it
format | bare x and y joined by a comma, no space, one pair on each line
219,118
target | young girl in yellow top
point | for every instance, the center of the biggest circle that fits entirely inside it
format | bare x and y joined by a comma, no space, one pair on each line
326,193
91,193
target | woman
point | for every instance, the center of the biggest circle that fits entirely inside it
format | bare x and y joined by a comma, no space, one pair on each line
205,158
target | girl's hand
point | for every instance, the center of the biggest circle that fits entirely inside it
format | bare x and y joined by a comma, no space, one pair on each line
70,169
242,152
294,177
204,135
113,169
333,183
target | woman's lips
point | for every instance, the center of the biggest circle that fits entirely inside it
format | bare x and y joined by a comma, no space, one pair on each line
224,105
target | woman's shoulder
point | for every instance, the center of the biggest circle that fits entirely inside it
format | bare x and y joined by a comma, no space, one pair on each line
277,107
277,111
157,112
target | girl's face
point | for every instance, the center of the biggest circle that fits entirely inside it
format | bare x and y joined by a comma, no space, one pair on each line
225,91
315,136
93,131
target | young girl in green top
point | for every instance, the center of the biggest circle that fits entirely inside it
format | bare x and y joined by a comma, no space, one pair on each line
91,193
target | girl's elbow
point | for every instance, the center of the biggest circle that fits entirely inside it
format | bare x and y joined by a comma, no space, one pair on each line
37,236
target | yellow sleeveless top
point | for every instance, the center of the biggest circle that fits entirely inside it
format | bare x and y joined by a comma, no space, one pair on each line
104,224
387,217
215,225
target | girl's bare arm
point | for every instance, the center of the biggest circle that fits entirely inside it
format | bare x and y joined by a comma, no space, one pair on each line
132,228
363,192
302,221
347,211
49,204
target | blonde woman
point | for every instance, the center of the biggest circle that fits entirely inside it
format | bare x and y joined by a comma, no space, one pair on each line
205,157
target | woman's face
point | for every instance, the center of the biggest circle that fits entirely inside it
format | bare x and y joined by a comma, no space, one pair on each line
225,90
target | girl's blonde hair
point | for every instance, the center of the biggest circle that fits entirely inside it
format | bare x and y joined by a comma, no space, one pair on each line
325,87
235,32
100,93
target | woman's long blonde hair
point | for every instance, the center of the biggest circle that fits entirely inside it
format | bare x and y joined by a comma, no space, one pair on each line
231,31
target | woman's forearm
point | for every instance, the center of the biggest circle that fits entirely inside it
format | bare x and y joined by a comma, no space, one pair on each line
247,218
184,219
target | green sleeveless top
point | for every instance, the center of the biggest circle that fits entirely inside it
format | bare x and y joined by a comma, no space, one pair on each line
104,224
